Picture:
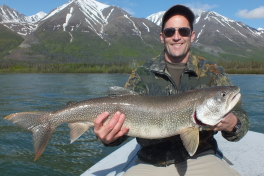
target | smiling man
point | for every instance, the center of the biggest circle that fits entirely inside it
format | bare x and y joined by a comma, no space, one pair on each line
176,70
177,36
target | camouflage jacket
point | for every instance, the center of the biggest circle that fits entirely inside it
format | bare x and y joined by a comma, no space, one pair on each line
153,79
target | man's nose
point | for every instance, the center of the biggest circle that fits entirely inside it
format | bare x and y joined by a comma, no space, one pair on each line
176,35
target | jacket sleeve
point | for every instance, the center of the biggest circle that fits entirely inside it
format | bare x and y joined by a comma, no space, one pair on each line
222,80
136,84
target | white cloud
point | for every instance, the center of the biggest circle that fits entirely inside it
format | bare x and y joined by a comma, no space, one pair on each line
128,10
260,29
132,4
120,3
197,7
126,5
255,13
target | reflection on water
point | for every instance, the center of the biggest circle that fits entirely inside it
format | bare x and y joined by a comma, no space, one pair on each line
47,92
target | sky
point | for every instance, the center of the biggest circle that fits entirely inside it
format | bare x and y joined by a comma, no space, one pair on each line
250,12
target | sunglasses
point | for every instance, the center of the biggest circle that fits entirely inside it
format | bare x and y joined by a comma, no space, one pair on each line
183,31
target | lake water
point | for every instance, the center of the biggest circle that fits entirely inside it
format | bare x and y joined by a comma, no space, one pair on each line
47,92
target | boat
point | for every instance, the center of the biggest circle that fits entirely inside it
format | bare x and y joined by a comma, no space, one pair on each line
245,156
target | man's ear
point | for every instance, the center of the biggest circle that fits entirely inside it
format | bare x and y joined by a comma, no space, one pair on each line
162,38
193,36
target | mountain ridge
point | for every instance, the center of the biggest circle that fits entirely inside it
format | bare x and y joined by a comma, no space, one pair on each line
90,25
9,15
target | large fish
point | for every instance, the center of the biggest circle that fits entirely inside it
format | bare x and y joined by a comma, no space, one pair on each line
150,117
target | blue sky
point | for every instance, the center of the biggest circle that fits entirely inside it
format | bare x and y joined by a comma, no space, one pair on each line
249,12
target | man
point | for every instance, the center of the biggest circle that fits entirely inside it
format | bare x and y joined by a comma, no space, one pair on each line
174,71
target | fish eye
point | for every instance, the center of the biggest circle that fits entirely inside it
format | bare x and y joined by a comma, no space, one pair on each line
223,94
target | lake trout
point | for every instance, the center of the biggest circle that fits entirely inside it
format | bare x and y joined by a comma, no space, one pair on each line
150,117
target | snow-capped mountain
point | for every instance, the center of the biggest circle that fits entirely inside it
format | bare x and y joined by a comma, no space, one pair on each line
210,22
93,16
18,22
156,17
24,29
35,18
8,15
110,25
91,27
260,29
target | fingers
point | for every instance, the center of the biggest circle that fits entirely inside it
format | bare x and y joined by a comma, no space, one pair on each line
226,124
221,126
117,130
115,123
98,122
112,130
217,127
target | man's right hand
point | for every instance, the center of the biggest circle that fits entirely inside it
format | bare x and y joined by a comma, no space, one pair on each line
112,130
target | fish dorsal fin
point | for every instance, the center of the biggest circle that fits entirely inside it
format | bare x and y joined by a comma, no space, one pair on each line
119,91
78,128
190,139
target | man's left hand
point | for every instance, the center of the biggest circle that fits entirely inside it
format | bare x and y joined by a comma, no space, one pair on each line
226,124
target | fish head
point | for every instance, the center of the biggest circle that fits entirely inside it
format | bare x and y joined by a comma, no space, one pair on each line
214,103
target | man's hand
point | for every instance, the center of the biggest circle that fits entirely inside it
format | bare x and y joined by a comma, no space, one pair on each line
111,131
226,124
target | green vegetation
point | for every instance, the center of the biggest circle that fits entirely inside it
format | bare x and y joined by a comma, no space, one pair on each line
65,68
88,53
235,64
91,49
232,67
257,55
238,67
9,40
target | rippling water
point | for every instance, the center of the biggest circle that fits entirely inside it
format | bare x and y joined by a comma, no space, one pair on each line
252,90
47,92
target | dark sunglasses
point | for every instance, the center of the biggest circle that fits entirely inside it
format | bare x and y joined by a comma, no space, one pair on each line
183,31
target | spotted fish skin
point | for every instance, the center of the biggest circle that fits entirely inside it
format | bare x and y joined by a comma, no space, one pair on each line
149,117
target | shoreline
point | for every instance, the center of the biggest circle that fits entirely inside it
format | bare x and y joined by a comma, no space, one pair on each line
105,68
95,72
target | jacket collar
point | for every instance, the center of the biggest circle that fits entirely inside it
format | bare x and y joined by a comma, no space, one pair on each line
158,65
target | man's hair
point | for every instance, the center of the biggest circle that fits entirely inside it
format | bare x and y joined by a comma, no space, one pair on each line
178,10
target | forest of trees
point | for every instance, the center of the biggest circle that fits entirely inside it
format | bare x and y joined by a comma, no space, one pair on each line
232,67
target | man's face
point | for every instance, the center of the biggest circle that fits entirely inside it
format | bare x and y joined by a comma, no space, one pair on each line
177,47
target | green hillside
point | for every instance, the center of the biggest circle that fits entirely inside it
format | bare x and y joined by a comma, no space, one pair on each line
9,40
90,48
120,54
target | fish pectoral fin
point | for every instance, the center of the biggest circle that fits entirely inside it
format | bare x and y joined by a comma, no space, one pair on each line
78,128
190,139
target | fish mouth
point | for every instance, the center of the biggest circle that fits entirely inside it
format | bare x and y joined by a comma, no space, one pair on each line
233,100
236,97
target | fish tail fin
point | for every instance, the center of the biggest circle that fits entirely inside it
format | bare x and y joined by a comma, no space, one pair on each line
38,123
